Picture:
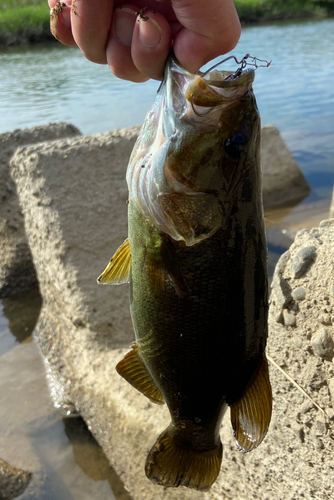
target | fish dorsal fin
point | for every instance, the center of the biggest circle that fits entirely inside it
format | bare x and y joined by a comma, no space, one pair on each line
251,414
133,370
117,271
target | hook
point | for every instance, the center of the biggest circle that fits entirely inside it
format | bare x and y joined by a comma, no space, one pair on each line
243,64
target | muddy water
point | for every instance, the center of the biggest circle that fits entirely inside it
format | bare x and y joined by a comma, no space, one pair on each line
67,462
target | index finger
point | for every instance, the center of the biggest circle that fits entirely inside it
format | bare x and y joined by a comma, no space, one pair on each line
91,23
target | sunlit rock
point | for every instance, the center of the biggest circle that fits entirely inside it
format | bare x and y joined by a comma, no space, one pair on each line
283,181
17,272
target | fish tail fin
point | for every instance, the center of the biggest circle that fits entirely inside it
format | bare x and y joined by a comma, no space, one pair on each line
251,414
172,464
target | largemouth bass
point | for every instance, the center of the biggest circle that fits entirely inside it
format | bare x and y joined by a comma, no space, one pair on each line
196,260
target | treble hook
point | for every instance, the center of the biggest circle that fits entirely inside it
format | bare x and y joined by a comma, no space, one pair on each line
243,64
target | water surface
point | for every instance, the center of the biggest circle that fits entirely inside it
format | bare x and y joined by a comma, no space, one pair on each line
66,461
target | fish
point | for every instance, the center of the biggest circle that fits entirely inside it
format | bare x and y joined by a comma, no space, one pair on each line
196,262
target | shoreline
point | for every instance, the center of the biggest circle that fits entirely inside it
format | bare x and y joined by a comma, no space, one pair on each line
248,17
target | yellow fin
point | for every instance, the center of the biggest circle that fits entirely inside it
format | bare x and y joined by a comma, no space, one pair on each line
117,271
171,464
251,414
135,372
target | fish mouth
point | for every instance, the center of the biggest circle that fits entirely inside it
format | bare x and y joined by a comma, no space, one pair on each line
196,96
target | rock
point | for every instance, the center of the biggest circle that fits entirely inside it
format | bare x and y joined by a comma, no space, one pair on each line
303,261
299,293
17,271
13,481
289,319
309,363
283,181
75,218
323,344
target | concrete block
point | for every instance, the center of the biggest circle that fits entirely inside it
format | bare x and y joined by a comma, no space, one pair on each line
283,183
17,271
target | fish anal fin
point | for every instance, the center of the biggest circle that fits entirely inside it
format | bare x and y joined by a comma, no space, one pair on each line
133,370
171,464
251,414
117,271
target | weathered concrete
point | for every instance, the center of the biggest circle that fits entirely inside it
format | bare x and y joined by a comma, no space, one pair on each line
283,181
17,272
74,222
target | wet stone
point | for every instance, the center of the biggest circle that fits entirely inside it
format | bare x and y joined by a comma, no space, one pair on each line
13,481
299,293
303,260
323,344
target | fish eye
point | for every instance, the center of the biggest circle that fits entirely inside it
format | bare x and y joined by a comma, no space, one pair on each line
235,144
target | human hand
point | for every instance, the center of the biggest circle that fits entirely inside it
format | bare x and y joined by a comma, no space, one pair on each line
136,46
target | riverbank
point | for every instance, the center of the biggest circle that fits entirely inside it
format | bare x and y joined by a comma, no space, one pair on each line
27,21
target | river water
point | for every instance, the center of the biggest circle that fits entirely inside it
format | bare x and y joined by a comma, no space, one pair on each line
54,83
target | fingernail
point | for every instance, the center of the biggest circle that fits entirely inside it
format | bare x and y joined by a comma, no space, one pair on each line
66,16
150,33
123,24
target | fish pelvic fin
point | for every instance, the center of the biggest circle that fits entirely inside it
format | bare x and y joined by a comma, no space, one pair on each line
117,271
172,464
251,414
134,371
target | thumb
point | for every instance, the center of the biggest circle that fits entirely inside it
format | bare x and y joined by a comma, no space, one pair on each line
209,28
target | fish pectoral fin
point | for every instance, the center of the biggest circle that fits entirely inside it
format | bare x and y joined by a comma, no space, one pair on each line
172,464
117,271
166,267
133,370
251,414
